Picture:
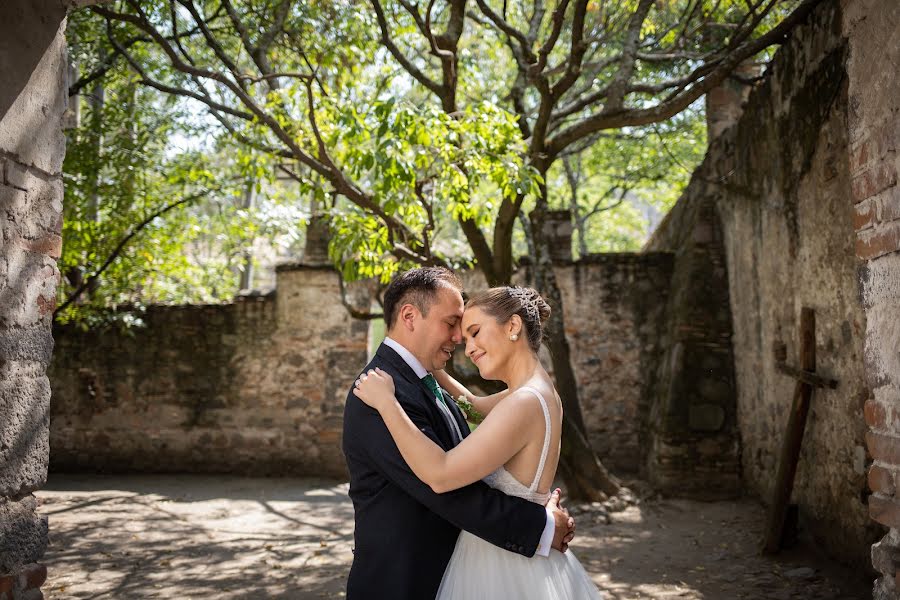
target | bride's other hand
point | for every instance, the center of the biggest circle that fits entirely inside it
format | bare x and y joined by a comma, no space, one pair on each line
375,388
565,525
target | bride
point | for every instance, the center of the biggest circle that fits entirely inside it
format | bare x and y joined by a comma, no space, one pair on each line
515,449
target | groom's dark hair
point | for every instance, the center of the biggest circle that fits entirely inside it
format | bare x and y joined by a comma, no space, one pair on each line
418,287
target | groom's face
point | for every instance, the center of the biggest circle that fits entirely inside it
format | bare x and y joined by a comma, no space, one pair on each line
439,331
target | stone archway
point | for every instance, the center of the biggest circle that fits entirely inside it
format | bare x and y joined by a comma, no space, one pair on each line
32,105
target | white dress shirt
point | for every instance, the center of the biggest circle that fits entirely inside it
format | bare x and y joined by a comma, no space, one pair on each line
546,541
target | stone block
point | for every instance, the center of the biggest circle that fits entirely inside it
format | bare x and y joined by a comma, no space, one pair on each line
23,534
24,435
32,278
13,203
878,282
882,357
33,576
33,96
26,345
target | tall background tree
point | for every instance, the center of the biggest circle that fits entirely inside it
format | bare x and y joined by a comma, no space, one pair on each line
412,126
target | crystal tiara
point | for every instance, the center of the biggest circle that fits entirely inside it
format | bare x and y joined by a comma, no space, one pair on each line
528,300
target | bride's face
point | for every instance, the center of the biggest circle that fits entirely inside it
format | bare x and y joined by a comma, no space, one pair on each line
487,342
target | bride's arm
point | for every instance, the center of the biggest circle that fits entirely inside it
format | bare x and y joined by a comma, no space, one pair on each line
483,404
491,445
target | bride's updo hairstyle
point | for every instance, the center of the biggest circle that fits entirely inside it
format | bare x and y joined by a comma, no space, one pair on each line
502,303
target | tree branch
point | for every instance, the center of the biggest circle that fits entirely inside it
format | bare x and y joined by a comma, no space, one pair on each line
672,106
133,231
410,68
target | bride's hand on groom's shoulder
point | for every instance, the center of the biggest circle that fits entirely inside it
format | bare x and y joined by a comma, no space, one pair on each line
375,388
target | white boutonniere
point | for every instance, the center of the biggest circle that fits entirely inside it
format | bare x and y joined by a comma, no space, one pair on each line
472,415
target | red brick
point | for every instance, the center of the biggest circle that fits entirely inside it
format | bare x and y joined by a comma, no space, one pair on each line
878,242
881,480
884,447
49,245
46,305
884,510
876,414
865,214
33,576
877,179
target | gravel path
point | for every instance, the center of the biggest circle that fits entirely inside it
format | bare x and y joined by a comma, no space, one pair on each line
127,537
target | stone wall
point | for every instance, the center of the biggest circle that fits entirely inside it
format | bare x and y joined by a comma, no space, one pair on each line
255,387
258,386
693,414
873,85
615,306
779,186
32,103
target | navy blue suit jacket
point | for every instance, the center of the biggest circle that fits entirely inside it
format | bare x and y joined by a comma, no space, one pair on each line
405,533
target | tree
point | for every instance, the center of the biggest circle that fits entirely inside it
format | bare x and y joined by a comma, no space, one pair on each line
145,196
308,83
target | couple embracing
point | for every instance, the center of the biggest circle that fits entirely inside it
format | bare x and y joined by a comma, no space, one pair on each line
417,477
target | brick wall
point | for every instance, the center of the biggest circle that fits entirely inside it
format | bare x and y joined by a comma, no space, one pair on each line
874,136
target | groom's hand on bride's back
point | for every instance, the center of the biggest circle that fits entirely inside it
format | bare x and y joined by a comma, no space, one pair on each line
565,525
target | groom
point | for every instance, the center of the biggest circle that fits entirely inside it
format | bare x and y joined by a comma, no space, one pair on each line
405,533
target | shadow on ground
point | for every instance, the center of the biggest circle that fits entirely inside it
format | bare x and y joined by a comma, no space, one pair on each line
227,537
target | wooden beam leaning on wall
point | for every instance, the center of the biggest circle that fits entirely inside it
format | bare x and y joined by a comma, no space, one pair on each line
807,381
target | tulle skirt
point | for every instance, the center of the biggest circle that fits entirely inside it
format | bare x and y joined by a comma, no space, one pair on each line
479,570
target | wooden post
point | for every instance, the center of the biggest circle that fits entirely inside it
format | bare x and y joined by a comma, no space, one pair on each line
790,451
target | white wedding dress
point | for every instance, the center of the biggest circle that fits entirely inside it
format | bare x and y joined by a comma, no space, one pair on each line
480,570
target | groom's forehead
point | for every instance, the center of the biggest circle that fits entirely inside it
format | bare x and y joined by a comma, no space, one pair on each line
451,300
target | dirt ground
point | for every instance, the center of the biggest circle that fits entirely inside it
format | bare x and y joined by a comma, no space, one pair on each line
227,537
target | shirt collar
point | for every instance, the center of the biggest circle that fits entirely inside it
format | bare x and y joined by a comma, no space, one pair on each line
407,357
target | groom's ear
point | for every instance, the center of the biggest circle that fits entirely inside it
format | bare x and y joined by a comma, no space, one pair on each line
407,316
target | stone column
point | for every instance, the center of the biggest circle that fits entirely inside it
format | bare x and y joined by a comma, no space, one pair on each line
318,232
874,90
315,327
725,103
32,102
558,231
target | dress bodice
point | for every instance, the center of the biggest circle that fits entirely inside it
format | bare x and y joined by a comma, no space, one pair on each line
503,480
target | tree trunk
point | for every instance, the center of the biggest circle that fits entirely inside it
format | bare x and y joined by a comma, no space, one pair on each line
246,280
584,475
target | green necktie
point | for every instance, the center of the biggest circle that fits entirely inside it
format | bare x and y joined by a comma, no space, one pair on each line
432,384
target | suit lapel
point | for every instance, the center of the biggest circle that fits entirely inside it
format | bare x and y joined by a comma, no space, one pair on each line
387,354
457,413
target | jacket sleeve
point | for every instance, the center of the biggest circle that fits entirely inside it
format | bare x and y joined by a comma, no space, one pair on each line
511,523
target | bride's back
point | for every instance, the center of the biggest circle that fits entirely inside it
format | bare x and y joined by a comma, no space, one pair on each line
540,399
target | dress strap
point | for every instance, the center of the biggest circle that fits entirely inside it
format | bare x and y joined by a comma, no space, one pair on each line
546,448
